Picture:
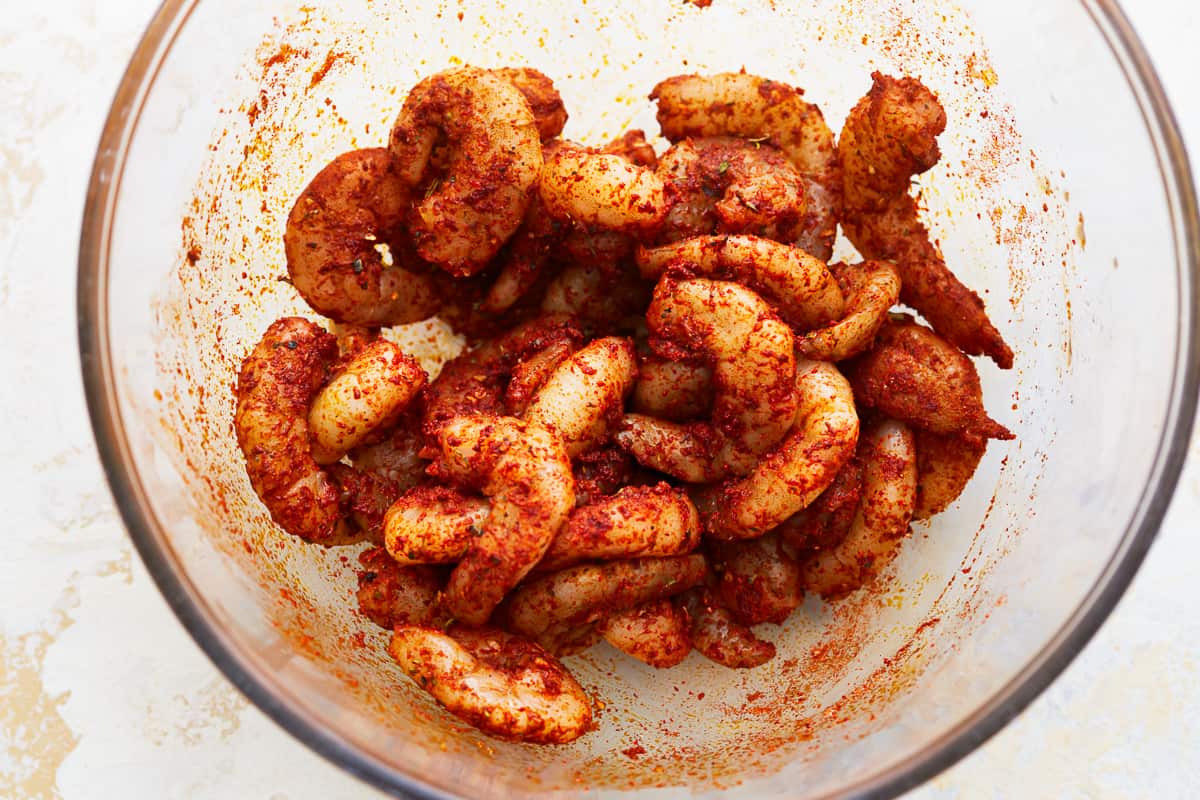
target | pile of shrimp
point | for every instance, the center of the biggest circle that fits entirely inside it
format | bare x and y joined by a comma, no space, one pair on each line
674,416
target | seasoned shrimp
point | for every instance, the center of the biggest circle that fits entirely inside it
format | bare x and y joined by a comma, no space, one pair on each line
344,248
587,391
763,111
792,475
391,595
918,377
726,185
525,471
890,136
369,393
672,390
596,295
433,525
476,199
757,581
945,465
365,498
871,289
750,352
798,285
475,381
600,473
718,637
277,382
824,524
881,522
656,633
636,522
500,683
397,456
548,608
549,113
633,147
531,373
602,191
523,259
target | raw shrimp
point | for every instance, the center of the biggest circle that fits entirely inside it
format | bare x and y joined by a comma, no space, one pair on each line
523,259
750,352
276,384
726,185
396,457
633,147
525,471
585,393
881,522
549,113
792,475
500,683
365,498
718,637
672,390
945,465
763,111
469,139
549,608
636,522
344,248
890,136
871,289
601,472
797,284
391,595
596,295
656,633
825,523
756,580
369,393
602,191
681,450
475,381
531,373
433,525
918,377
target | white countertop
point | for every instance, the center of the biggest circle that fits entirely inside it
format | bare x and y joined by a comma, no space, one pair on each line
87,715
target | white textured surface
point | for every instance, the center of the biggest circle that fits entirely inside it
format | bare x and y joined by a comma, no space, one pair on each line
83,715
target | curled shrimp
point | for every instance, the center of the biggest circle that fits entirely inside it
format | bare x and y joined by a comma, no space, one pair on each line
475,381
476,199
792,475
276,384
369,393
756,580
656,633
799,285
750,352
433,525
602,191
824,524
871,289
918,377
586,391
530,374
890,136
505,686
717,636
763,111
596,295
633,147
549,113
945,465
672,390
726,185
601,472
523,259
881,522
636,522
552,607
344,247
390,595
525,471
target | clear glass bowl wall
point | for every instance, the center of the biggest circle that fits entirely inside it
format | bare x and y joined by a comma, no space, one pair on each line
1063,197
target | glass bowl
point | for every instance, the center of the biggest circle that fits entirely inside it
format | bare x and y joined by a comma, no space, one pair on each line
1064,197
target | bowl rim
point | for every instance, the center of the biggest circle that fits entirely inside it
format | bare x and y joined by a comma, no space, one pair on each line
962,738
